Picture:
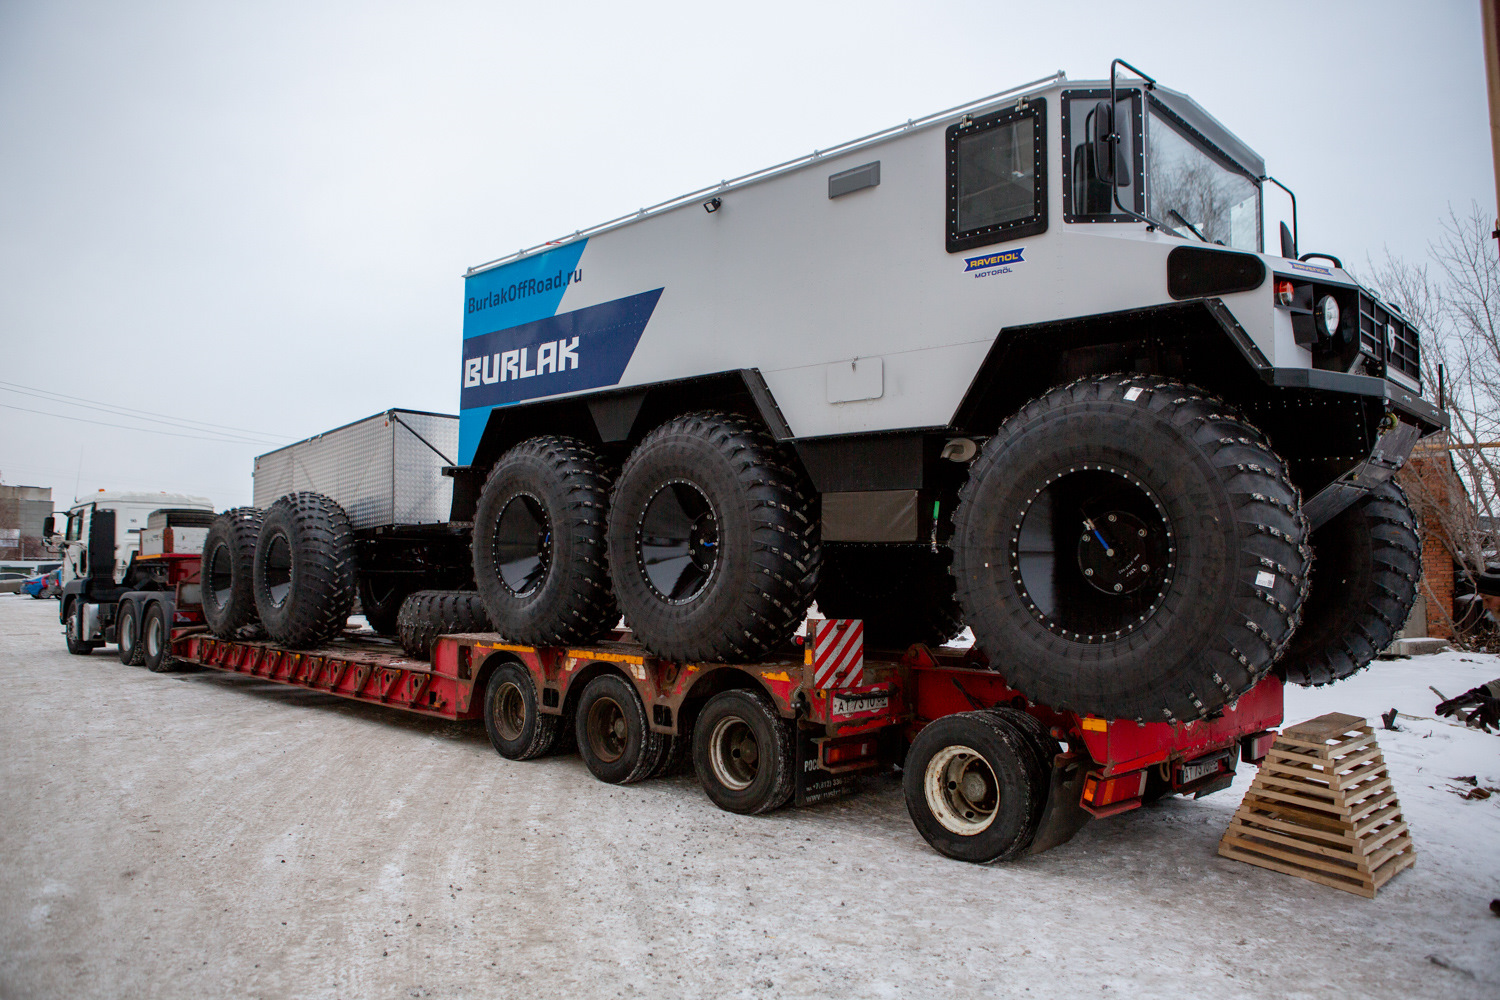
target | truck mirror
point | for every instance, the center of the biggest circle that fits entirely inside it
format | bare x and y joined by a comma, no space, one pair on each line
1109,157
49,527
1288,244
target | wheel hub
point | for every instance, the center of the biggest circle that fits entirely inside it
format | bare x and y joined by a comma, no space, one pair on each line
677,542
522,545
961,790
607,729
734,753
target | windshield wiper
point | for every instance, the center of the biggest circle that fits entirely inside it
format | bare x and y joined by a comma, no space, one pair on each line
1192,228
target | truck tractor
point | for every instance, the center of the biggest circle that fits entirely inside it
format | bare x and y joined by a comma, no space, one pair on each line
130,572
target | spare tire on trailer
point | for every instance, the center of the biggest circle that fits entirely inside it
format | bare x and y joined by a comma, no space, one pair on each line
428,614
903,593
304,570
1130,547
226,579
1366,564
713,540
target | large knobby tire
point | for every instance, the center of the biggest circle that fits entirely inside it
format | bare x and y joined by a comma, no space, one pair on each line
903,593
1366,564
971,783
1130,547
744,753
713,540
128,634
517,727
304,570
380,600
428,614
540,556
228,572
615,738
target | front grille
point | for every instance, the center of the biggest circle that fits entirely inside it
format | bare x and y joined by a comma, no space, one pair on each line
1383,334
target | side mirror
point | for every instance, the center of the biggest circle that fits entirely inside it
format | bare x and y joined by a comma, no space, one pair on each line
49,527
1109,157
1288,244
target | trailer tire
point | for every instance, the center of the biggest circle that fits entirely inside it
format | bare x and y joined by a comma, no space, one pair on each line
73,630
903,593
304,570
614,735
228,572
541,560
970,787
743,752
1192,596
517,727
1043,747
156,639
428,614
128,634
1366,564
380,602
733,531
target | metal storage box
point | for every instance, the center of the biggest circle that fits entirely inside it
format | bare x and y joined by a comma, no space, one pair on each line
385,469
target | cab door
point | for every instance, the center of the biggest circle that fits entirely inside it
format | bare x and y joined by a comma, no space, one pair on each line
75,554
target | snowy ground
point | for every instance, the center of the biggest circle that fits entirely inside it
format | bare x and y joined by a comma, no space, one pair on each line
209,835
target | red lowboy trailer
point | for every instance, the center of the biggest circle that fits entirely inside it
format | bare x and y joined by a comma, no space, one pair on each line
987,774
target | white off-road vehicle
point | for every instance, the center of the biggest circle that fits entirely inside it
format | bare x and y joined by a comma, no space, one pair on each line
1023,364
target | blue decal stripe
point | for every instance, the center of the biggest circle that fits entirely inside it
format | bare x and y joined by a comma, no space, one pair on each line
520,292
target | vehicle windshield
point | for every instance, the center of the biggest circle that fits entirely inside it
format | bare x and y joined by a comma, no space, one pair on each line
1195,193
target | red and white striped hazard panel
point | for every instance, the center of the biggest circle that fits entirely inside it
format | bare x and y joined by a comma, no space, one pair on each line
838,653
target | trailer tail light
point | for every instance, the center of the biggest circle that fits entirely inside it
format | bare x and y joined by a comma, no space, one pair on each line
848,753
1253,748
1100,792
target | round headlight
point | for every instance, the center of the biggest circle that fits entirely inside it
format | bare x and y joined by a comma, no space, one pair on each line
1328,316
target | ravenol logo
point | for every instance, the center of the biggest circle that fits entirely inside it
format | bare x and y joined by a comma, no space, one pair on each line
1000,259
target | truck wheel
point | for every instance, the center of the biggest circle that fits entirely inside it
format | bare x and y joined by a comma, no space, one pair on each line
73,630
970,785
614,737
743,753
1130,547
156,639
128,632
380,600
713,540
428,614
1044,748
904,593
540,559
518,729
228,584
304,570
1366,565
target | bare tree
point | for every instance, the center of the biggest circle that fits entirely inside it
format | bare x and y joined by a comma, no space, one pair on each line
1454,479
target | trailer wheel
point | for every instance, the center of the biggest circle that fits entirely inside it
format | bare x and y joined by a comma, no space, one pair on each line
304,570
156,639
428,614
743,753
518,729
970,785
380,600
713,540
614,737
540,557
73,630
1130,547
1366,565
903,593
1043,747
228,572
128,633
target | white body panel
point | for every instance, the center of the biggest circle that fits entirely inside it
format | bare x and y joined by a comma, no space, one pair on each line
132,511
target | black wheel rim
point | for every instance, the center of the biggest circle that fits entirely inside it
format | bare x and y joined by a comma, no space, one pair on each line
278,569
522,547
510,711
220,574
607,730
1093,553
677,542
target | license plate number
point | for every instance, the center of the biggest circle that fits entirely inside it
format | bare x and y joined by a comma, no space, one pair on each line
1192,772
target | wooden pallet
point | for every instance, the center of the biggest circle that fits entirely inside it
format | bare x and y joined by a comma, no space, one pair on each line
1322,808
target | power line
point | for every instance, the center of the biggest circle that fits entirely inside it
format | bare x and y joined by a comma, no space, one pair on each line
129,411
127,416
126,427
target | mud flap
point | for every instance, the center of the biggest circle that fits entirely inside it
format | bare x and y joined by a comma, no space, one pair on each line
1063,816
814,783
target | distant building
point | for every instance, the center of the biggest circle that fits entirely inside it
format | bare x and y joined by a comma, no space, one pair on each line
22,511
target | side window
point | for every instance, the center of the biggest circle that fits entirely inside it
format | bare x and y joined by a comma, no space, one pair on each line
75,526
997,177
1086,196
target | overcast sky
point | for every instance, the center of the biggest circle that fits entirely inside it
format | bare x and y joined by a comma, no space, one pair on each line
257,216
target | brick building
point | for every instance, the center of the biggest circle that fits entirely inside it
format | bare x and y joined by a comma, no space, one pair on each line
22,511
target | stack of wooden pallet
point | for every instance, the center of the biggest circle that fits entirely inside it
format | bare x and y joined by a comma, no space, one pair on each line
1322,808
